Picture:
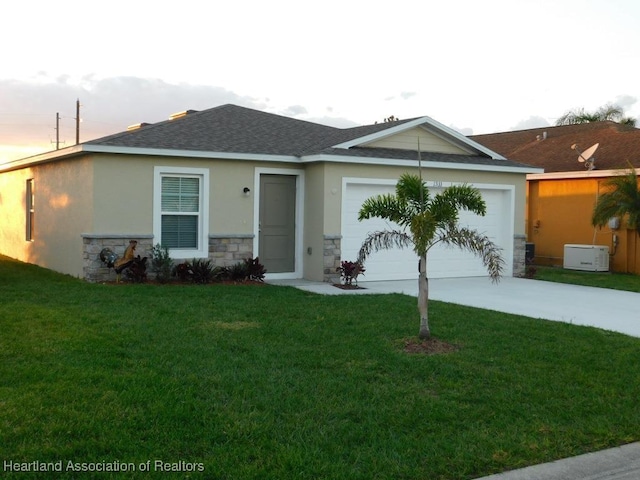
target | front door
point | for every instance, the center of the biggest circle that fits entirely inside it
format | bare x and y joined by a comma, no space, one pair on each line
277,229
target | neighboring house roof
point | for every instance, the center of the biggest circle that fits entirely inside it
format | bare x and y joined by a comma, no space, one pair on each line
550,147
234,132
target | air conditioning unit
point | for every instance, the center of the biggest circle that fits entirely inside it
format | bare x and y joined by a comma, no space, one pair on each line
590,258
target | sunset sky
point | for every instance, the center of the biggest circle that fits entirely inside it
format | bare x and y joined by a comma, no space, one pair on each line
479,67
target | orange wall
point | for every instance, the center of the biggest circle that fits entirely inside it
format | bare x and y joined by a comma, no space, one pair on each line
559,212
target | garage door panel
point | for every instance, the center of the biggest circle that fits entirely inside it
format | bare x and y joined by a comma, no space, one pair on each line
399,264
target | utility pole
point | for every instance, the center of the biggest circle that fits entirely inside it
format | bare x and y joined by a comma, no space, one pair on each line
77,121
57,130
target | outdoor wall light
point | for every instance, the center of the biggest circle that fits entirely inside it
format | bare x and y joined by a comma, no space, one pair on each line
246,191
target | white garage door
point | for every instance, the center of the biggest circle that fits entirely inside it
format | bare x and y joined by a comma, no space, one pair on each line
442,262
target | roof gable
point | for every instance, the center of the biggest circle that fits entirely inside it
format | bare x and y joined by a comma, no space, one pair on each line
435,137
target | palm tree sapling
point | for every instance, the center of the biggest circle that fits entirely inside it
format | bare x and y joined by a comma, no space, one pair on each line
425,221
622,199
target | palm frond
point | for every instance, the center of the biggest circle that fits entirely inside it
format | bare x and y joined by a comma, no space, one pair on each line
387,206
411,190
446,205
622,199
478,244
383,240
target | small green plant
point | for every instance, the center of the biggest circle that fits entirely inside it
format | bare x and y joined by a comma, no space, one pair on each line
161,263
349,271
237,272
182,271
136,272
201,270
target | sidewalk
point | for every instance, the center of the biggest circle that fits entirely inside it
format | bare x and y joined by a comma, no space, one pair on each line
622,463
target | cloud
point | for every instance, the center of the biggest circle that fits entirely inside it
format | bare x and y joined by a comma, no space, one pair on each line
294,110
407,95
531,122
625,101
464,131
28,108
108,105
337,122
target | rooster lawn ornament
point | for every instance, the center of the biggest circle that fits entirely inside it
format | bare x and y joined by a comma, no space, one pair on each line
128,260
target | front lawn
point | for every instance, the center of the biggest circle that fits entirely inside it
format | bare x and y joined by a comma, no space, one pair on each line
272,382
616,281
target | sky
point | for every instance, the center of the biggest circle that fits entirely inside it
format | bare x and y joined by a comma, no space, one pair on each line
478,67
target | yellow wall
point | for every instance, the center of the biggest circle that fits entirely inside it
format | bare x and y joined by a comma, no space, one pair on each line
559,212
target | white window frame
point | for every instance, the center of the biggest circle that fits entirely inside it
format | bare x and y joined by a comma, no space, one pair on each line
202,251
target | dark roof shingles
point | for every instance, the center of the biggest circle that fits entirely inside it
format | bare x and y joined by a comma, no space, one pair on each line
234,129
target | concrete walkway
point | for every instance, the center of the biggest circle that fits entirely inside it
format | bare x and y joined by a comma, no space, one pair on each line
598,307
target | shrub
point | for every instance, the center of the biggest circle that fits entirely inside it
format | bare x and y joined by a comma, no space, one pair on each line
349,271
254,269
182,271
161,263
137,271
237,272
201,270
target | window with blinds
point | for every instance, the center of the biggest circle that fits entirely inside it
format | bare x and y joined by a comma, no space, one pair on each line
180,211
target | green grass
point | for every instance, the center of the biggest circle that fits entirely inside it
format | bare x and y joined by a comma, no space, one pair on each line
617,281
272,382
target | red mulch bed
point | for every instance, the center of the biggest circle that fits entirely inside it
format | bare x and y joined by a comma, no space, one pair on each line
431,346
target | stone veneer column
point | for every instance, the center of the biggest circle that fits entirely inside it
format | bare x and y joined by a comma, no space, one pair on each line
94,270
228,249
331,259
519,252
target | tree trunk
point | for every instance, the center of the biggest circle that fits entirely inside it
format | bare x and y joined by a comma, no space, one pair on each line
423,299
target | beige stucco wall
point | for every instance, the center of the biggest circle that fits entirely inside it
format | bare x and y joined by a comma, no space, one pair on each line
113,195
314,214
125,185
63,208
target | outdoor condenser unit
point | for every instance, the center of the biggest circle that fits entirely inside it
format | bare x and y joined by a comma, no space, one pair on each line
591,258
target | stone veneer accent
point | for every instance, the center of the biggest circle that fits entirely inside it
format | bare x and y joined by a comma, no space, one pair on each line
227,250
519,252
331,258
92,244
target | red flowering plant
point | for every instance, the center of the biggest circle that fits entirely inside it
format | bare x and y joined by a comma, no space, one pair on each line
349,271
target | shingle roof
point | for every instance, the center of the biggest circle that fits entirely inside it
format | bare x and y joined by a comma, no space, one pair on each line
550,147
234,129
230,128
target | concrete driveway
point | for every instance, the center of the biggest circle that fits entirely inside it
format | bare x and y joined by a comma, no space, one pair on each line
598,307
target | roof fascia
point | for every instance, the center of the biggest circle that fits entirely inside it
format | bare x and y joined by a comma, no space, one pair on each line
41,158
578,175
163,152
430,124
414,163
88,148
